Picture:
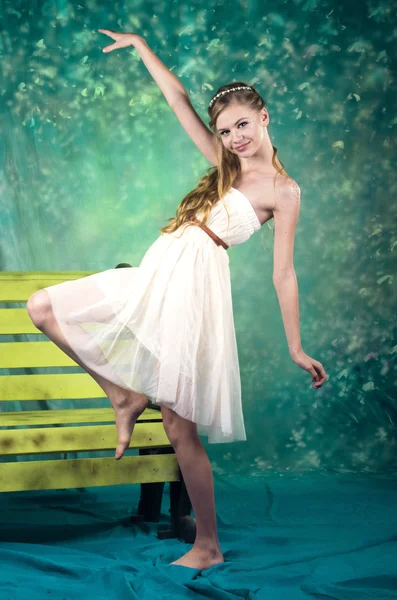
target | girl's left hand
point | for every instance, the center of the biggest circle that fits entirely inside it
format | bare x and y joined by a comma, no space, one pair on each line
314,367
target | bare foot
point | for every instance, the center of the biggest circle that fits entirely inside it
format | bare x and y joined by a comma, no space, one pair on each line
128,408
200,559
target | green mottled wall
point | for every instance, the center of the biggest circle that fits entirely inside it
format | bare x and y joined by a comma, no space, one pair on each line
93,162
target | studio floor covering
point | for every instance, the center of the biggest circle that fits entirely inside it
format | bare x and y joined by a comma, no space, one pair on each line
283,535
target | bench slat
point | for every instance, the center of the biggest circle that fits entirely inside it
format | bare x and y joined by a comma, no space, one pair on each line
26,355
78,438
49,386
18,286
42,354
74,415
16,321
87,472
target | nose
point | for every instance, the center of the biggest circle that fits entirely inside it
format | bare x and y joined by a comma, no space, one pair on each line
237,139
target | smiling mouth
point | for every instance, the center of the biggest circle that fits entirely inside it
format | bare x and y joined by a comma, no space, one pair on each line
242,146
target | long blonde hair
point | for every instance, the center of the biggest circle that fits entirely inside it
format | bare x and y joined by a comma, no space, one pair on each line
218,179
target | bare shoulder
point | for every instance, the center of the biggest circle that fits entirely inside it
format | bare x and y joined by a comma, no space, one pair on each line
287,187
288,193
279,193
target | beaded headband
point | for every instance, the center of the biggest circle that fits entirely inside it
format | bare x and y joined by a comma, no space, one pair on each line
241,87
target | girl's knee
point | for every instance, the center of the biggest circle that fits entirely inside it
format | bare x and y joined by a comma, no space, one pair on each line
39,307
176,427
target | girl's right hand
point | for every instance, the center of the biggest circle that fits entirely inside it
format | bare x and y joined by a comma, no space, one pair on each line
122,40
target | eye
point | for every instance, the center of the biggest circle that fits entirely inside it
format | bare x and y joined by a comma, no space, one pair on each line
242,123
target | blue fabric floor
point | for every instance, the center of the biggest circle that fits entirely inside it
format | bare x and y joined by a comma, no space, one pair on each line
283,535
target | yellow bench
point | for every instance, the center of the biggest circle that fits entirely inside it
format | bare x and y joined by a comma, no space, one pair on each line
57,432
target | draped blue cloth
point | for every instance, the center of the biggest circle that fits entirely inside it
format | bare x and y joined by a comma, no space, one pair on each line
283,536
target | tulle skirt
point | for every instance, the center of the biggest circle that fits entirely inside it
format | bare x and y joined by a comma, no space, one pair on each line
164,329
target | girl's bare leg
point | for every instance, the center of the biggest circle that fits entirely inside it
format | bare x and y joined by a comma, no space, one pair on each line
128,405
197,473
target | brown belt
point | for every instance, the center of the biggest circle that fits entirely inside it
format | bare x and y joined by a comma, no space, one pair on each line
213,235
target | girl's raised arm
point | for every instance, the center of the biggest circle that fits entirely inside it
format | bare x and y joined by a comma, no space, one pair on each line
173,89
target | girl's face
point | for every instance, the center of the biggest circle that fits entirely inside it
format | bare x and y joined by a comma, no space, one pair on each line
238,125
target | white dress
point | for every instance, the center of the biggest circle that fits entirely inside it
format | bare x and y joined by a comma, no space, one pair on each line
165,328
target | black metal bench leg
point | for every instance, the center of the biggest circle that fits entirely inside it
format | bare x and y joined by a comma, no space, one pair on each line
183,525
186,524
149,508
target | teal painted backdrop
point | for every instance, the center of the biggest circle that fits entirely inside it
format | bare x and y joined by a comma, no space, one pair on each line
93,162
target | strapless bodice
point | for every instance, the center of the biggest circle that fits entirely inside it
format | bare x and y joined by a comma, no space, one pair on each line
243,222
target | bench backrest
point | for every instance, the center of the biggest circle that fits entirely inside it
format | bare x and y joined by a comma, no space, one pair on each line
84,434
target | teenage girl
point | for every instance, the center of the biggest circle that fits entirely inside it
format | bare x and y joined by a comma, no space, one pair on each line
164,331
